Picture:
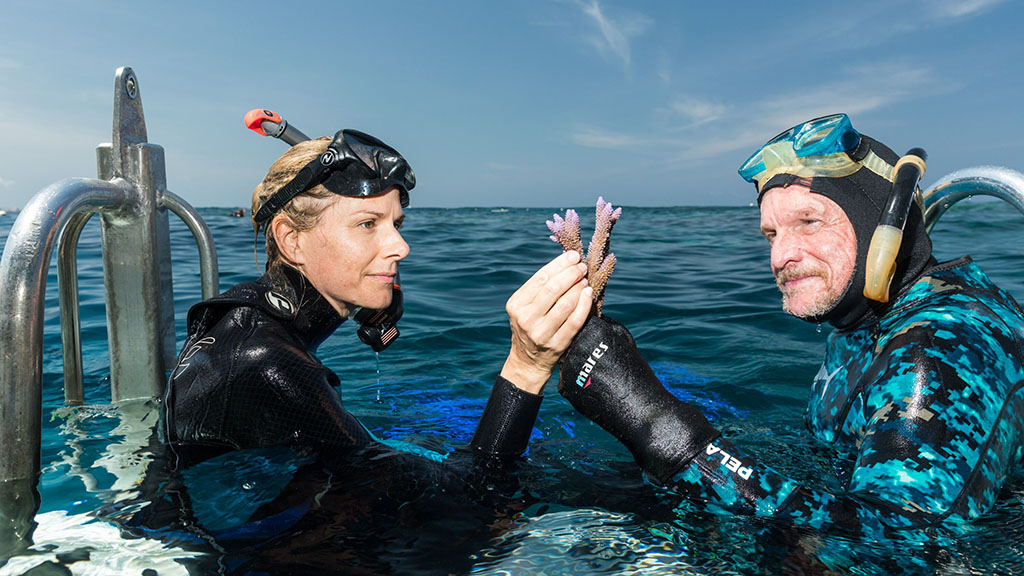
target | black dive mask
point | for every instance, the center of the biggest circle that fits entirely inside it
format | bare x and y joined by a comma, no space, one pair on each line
354,164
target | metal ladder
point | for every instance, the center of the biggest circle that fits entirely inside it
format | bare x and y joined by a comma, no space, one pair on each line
132,200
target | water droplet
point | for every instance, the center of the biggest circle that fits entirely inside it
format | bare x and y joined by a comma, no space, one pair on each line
377,355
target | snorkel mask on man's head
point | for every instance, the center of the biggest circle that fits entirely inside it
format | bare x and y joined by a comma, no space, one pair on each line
859,174
354,164
826,147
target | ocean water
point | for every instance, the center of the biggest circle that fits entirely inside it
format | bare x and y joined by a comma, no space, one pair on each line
694,287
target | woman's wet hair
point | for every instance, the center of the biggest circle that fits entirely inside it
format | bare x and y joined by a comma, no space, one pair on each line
304,211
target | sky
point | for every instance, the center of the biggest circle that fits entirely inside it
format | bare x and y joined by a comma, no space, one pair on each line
545,103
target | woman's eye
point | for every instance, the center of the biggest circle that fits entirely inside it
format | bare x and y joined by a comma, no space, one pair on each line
368,224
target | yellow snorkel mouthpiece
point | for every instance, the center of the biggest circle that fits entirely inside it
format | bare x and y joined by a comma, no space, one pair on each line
885,242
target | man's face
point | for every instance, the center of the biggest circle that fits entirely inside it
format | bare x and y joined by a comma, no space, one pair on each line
814,249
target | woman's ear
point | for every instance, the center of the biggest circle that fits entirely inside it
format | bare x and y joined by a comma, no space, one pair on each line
287,239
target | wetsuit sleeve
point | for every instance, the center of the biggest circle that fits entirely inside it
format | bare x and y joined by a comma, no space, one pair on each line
605,378
508,419
927,451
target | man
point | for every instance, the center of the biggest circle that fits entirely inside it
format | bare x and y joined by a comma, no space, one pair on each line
924,388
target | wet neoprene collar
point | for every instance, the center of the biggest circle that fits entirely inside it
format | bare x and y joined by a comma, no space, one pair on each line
286,295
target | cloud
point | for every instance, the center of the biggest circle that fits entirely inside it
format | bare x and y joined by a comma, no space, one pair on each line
592,137
953,9
857,93
615,35
705,130
693,111
6,183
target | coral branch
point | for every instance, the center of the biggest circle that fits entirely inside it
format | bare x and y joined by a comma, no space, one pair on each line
567,232
599,279
600,263
604,220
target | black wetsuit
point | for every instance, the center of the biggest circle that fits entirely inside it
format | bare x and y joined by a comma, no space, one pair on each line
266,470
248,377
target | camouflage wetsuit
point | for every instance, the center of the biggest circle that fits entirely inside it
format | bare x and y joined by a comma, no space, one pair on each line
928,397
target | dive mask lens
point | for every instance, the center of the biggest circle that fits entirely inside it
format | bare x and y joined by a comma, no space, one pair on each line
822,136
383,165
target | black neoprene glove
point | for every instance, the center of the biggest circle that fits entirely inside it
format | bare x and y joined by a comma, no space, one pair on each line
605,378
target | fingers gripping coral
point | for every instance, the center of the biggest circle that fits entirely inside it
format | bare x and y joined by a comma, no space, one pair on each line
600,262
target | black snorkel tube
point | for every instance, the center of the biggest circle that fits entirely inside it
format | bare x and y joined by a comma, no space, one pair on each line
377,328
885,242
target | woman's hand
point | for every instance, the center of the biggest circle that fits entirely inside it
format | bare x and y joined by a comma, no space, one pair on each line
546,313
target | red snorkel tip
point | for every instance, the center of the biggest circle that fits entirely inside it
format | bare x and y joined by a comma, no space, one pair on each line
269,123
255,118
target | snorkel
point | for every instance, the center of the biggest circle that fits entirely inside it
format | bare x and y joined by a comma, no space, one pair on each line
885,242
377,328
269,123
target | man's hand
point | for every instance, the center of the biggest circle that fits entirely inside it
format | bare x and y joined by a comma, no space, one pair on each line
545,314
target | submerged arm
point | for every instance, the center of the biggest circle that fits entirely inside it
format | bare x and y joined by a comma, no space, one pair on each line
925,454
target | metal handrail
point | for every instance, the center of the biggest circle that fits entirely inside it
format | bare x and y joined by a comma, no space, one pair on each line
997,181
132,201
23,270
67,281
204,240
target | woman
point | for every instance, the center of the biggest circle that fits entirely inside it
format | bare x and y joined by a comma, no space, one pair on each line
248,375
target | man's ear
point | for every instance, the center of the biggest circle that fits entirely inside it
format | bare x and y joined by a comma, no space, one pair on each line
287,239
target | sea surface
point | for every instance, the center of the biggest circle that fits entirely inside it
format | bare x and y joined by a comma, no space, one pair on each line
694,287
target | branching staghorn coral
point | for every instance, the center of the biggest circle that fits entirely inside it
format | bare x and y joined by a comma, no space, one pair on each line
600,262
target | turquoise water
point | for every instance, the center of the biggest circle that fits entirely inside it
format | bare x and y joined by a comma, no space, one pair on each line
694,287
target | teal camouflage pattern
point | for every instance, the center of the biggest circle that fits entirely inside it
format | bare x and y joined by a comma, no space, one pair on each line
927,397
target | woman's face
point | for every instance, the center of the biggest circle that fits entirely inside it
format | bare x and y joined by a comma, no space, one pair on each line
352,254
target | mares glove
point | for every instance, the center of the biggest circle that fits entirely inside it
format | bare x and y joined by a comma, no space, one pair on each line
604,377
